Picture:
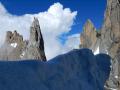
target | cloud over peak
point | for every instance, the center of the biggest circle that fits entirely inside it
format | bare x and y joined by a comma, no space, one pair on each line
54,22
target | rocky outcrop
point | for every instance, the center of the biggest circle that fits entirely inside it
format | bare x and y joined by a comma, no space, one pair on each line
13,37
107,40
35,48
15,48
90,37
111,40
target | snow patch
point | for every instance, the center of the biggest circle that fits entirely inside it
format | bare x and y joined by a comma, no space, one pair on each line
116,77
106,52
111,66
97,51
110,88
14,45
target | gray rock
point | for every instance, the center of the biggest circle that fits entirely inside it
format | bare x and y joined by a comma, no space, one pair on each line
35,48
111,40
108,41
90,36
15,48
12,47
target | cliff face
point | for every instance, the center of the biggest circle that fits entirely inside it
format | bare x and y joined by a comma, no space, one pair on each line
107,40
15,48
111,40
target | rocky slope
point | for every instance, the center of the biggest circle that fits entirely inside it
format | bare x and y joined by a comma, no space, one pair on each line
106,40
76,70
15,48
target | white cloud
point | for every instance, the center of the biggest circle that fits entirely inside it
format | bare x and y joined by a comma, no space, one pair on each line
54,22
73,41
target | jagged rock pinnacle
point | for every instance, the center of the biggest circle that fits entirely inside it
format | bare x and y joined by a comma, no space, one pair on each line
13,46
107,40
35,22
36,43
88,36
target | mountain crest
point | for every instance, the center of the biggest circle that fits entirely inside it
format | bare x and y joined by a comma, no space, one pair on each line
88,36
35,22
35,48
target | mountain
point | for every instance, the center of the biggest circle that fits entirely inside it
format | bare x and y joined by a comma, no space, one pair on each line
88,37
106,40
35,48
16,48
13,46
75,70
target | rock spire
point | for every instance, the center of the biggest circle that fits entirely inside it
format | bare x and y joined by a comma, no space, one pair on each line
35,49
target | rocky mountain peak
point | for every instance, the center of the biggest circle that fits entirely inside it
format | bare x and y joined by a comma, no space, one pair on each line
12,37
112,3
35,33
88,27
88,36
15,48
35,49
88,23
106,40
111,40
35,22
112,19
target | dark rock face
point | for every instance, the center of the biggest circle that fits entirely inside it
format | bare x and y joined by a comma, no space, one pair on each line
108,41
15,48
35,48
76,70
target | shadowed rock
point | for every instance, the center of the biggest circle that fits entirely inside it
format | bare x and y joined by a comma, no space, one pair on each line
76,70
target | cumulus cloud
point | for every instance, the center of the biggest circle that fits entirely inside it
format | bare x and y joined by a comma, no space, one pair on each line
54,22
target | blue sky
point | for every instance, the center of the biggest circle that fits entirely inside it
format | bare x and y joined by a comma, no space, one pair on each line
60,24
91,9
